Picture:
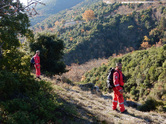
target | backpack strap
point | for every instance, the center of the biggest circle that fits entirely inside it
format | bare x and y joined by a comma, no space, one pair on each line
118,73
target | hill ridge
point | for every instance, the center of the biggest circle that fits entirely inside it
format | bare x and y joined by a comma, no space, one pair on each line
52,7
117,28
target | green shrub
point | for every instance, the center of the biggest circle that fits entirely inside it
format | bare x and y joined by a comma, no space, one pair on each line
132,92
147,83
144,73
24,100
51,49
150,105
164,64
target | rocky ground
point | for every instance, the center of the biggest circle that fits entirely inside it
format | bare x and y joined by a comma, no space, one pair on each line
95,107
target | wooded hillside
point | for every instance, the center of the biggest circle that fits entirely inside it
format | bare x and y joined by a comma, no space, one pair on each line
109,32
145,72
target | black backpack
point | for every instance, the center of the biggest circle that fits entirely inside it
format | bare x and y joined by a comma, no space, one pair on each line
32,60
109,81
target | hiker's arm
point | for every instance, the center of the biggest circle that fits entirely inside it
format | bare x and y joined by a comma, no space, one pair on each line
116,82
37,60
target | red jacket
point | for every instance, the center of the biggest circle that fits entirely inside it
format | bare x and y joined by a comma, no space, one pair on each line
118,82
37,60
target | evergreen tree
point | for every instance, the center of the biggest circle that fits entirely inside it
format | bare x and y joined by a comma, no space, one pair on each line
162,25
51,49
13,24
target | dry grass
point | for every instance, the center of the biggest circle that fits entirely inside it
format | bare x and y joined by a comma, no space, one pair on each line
77,71
101,108
96,106
76,88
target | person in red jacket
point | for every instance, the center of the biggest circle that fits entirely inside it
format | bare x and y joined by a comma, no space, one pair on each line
37,63
118,89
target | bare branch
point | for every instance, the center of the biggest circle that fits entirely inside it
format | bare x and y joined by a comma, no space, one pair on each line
30,8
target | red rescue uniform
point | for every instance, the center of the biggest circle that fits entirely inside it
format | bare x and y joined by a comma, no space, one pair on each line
118,97
37,65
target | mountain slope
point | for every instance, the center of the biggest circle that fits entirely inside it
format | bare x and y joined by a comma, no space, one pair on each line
96,107
109,33
52,7
145,72
64,14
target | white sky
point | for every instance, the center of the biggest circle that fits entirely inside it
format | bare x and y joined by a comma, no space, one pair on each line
23,1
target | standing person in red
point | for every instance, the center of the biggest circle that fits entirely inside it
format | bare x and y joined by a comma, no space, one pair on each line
118,89
37,63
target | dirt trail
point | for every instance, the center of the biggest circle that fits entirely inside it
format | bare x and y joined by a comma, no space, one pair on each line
99,107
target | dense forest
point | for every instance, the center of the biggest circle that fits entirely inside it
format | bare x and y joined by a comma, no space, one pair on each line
109,32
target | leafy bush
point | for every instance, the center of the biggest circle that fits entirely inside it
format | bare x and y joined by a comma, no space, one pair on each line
51,49
150,105
130,27
29,101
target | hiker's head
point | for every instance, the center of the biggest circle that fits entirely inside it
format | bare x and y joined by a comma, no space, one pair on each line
38,52
119,65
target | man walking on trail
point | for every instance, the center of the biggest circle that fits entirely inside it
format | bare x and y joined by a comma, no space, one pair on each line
37,63
118,89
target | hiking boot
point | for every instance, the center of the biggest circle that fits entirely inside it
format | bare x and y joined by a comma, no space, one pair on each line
116,110
39,78
125,112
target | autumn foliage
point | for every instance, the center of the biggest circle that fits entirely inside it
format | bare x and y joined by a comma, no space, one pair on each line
71,38
145,45
56,23
88,15
159,44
